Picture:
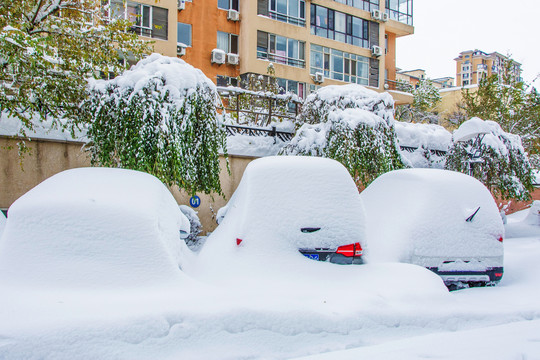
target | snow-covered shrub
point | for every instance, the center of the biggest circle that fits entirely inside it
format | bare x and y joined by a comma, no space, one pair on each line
431,143
159,117
504,167
320,104
364,142
194,224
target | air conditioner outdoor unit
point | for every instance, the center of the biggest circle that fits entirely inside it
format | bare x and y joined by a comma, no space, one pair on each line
180,50
218,56
384,17
233,59
376,50
319,78
181,4
376,14
233,15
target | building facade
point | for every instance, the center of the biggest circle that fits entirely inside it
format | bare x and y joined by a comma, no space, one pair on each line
311,43
473,65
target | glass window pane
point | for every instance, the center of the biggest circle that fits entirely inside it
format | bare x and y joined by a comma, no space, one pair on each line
183,33
282,6
340,22
223,4
293,8
223,41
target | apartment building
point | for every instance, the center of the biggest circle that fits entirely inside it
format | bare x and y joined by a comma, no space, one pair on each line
413,78
473,65
311,43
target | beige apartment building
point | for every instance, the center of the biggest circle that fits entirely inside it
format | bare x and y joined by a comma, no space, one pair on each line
311,43
473,65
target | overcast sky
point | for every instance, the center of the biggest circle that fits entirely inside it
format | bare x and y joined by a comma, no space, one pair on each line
444,28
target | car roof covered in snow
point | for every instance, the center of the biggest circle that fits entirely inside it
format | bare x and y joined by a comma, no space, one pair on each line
90,226
424,212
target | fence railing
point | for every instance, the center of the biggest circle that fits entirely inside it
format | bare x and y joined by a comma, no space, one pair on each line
252,131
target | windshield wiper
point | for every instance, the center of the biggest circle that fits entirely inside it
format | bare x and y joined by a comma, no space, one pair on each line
470,218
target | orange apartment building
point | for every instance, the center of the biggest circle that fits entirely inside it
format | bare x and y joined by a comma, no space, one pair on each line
311,43
473,65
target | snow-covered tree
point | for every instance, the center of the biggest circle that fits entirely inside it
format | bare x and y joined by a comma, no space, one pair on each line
159,117
352,125
511,103
425,98
496,158
47,50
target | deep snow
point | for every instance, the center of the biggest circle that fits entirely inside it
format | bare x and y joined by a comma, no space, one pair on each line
377,311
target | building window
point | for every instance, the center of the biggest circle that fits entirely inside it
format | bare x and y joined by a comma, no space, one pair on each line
223,80
339,26
367,5
289,11
280,49
339,65
184,34
400,10
228,4
295,87
465,82
227,42
148,20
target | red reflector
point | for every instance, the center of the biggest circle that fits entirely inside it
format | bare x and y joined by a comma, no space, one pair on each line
238,241
350,250
501,239
498,274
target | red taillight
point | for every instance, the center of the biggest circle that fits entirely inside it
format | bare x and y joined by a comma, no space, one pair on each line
238,241
500,238
350,250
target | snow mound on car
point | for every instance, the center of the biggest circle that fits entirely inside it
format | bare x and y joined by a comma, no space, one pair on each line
423,212
93,227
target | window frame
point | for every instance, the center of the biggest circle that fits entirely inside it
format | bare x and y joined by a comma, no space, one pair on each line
230,38
286,17
178,23
354,68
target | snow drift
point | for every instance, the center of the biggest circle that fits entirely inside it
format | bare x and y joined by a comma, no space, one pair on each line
94,227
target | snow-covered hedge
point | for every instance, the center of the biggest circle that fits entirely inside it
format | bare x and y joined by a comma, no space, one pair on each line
356,128
338,97
504,167
159,117
431,143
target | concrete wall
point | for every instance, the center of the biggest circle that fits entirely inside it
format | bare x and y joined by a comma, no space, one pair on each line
47,158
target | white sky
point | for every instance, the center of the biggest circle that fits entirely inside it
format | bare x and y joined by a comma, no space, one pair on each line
444,28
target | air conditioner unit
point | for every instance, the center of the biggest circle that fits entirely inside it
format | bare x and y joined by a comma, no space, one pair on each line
376,50
232,59
181,4
384,17
376,14
318,78
218,56
233,15
180,49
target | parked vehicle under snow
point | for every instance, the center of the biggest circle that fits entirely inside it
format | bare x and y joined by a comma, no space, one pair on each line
443,220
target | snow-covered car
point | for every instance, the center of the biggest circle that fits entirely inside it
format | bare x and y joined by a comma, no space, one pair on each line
304,204
94,227
443,220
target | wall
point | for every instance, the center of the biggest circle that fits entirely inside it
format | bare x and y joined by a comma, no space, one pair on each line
47,158
206,19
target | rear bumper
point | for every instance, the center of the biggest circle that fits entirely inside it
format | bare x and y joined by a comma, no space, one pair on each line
490,275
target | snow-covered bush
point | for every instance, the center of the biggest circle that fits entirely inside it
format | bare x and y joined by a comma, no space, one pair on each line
194,225
356,128
503,165
159,117
431,143
338,97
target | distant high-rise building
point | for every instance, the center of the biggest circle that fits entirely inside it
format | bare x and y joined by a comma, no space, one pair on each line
473,65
